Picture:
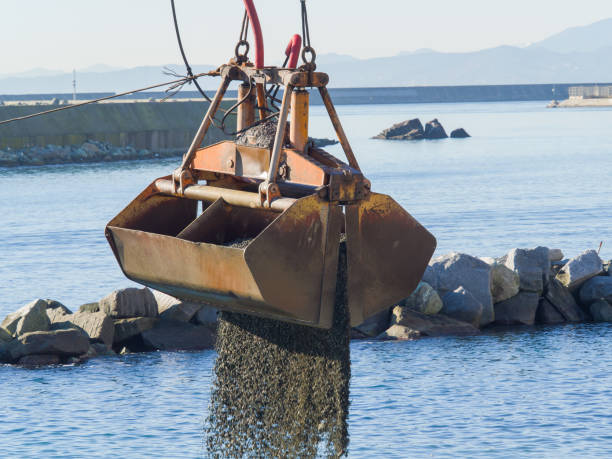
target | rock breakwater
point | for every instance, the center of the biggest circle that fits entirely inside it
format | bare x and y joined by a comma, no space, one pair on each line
94,151
523,287
46,332
91,151
459,294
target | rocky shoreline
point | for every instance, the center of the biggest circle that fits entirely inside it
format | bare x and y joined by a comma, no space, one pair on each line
459,295
93,151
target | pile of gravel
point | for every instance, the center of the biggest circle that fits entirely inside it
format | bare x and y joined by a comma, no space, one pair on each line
261,136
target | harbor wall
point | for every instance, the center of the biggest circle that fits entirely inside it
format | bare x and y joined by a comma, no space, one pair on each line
380,95
170,126
155,126
446,94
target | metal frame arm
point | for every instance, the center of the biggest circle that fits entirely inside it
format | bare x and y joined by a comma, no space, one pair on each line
333,116
269,189
181,175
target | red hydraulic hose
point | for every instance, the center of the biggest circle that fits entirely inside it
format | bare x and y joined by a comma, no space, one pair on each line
259,44
293,51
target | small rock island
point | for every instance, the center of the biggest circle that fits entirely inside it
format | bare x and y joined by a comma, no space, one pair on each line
413,130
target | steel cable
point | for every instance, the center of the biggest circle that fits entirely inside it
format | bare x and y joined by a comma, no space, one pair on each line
187,66
68,107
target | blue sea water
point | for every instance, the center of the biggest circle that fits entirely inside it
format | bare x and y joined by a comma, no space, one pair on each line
529,176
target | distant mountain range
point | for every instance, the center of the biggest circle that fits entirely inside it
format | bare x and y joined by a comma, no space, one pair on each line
579,54
583,39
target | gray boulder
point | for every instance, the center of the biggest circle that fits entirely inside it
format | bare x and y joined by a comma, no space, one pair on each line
455,270
55,310
601,311
129,302
322,143
424,300
31,317
580,269
174,336
459,134
99,350
532,266
98,326
430,276
5,356
488,260
415,134
555,255
518,310
504,282
434,130
597,288
64,343
548,314
399,332
38,360
5,336
406,130
561,298
461,305
170,308
376,324
126,329
207,315
90,307
409,324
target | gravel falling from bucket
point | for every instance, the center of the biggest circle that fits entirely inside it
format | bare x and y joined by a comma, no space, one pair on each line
281,390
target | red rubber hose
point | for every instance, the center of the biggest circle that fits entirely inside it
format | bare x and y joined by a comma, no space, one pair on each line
259,44
293,51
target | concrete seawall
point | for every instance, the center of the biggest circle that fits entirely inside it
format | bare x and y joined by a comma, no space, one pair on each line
381,95
170,126
445,94
159,127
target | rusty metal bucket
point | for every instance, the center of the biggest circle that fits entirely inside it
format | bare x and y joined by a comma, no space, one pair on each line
285,269
271,263
266,242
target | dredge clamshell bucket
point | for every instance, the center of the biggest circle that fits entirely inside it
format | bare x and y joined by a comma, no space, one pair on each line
266,242
280,265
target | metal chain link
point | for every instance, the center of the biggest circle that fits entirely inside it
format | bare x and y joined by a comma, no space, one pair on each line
242,40
309,64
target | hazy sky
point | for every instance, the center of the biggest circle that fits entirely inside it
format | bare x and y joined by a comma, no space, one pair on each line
64,34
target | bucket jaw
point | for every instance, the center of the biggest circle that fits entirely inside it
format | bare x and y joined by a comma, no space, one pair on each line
387,253
257,230
242,259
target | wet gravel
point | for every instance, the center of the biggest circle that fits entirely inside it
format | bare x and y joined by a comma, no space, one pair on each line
261,136
281,390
